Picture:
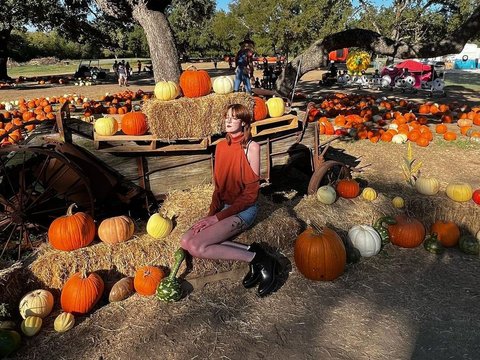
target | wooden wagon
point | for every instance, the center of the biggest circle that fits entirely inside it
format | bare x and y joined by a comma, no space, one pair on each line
108,175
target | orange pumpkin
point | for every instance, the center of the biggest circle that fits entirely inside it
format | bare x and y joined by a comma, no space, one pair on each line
320,254
134,123
441,129
348,188
147,279
450,136
447,232
195,83
260,110
116,229
80,293
407,232
72,231
423,141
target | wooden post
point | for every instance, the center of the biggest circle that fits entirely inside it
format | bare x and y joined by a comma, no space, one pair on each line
62,115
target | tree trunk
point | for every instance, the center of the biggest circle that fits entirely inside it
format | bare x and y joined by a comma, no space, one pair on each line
4,40
161,42
317,54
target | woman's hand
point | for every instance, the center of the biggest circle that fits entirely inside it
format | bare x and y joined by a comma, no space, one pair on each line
203,223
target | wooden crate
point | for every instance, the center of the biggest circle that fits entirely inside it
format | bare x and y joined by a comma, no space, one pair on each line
120,142
274,125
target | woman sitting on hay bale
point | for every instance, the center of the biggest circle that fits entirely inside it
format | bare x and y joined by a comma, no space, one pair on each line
234,205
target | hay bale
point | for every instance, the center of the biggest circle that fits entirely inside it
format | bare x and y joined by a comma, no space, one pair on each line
191,117
274,228
345,213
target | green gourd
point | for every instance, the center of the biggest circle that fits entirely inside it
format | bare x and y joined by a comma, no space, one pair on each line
469,244
382,229
169,289
431,244
9,342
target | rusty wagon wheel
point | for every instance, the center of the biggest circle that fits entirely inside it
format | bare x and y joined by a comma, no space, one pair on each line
328,173
37,184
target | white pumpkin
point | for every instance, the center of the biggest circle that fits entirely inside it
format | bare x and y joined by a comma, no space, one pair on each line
366,239
64,322
393,126
326,194
36,303
427,186
166,90
399,139
223,85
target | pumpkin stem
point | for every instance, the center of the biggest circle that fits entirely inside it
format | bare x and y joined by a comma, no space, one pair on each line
83,273
70,209
179,257
191,66
316,227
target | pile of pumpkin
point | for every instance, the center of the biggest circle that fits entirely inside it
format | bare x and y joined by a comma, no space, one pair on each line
368,240
82,291
379,119
17,118
193,83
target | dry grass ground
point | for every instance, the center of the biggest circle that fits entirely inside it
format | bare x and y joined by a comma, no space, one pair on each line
400,304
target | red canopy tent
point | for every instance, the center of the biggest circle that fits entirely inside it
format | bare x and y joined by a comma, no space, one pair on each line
413,66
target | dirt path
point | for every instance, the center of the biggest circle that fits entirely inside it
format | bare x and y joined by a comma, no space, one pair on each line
401,304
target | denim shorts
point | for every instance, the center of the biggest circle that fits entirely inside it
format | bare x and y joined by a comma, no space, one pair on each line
248,215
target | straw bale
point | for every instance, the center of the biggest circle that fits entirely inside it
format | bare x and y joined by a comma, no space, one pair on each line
195,118
12,283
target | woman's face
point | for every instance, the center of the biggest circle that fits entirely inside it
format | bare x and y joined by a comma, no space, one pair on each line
233,125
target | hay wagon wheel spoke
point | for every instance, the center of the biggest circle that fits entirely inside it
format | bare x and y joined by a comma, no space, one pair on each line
37,184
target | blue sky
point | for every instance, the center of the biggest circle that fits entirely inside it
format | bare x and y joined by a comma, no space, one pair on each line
223,4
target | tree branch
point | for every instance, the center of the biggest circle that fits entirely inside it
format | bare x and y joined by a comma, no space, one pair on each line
317,54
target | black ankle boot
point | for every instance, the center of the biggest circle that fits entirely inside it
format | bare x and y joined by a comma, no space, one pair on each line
268,275
253,276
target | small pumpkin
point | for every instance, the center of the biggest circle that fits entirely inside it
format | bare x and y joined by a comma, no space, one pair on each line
195,83
166,90
469,244
159,226
399,139
348,188
116,229
326,194
260,110
10,341
366,239
106,126
476,196
170,289
398,202
382,230
320,254
80,293
134,123
431,244
447,232
460,191
36,303
450,136
369,194
427,185
121,290
64,322
31,325
72,231
275,106
147,279
223,85
407,232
